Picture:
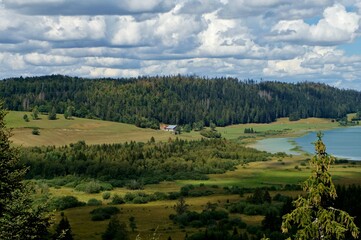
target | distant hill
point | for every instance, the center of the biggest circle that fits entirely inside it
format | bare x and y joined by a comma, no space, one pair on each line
148,101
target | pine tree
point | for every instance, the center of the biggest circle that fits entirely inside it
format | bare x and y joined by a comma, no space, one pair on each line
19,217
314,216
35,113
63,229
52,114
115,230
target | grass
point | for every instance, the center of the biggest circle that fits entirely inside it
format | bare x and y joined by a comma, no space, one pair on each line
62,132
282,128
277,173
148,217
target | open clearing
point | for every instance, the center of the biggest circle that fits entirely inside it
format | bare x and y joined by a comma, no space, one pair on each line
62,132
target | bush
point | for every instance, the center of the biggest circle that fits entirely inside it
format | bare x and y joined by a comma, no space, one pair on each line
62,203
210,133
117,199
106,195
135,185
35,131
103,213
93,187
94,202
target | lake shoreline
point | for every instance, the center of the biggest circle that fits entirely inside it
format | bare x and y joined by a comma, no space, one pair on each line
302,144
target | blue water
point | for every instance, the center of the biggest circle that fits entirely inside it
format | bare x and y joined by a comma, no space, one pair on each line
341,142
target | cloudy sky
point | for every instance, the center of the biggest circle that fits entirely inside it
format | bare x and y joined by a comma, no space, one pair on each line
303,40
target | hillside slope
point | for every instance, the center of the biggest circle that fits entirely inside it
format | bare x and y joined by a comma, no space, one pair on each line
147,101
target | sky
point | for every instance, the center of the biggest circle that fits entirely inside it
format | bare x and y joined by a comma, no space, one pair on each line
275,40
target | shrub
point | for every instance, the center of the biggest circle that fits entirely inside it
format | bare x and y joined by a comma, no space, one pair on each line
117,199
94,202
103,213
106,195
135,185
128,197
62,203
35,131
93,187
210,133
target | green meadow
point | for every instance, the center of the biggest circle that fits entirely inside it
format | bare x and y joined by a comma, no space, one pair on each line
153,217
62,131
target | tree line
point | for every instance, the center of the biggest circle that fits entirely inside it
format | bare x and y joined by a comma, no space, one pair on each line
182,100
149,162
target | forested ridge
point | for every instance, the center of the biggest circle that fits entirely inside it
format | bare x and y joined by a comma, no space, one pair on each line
148,101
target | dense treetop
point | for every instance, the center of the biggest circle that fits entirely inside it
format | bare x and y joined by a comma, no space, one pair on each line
146,101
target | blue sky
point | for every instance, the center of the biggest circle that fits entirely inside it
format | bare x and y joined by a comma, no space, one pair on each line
305,40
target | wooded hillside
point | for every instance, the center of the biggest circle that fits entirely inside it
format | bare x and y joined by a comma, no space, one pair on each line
147,101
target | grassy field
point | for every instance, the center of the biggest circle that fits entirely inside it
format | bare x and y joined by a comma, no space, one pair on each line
61,131
151,217
281,128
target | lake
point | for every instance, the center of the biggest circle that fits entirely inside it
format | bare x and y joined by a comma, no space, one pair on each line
341,142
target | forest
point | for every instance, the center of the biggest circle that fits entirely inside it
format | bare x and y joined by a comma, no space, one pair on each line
184,100
138,163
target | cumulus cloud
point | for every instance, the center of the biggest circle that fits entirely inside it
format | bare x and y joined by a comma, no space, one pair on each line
274,39
337,26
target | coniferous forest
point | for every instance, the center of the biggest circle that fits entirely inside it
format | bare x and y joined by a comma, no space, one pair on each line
183,100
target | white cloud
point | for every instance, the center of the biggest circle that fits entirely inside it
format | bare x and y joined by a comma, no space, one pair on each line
48,60
276,39
74,28
337,26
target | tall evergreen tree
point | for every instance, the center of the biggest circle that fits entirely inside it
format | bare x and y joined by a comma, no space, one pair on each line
314,216
115,230
63,229
19,217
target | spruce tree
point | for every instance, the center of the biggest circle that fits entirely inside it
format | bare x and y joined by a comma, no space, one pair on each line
19,217
63,229
314,216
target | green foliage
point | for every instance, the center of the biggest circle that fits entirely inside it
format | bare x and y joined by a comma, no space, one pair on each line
249,130
116,199
93,187
115,230
314,216
52,114
68,113
260,196
65,202
35,131
20,217
294,116
210,133
63,229
103,213
181,206
26,118
136,164
132,223
180,100
106,195
94,202
35,113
